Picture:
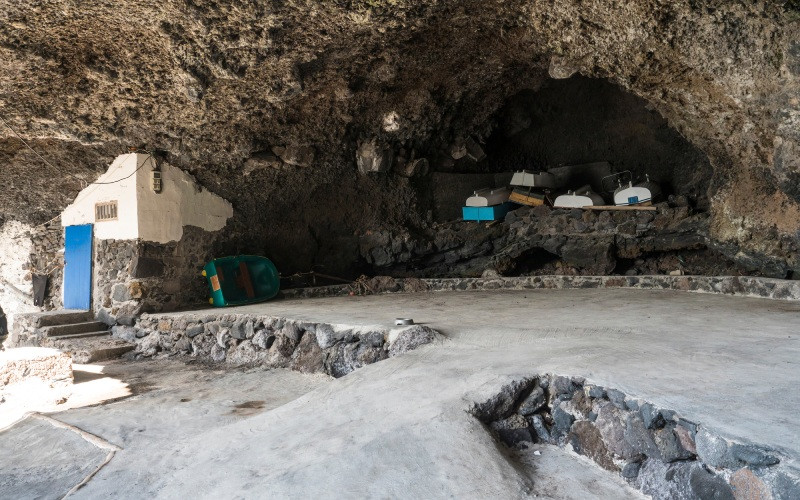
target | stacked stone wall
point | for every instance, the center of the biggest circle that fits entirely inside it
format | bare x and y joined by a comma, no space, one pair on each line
656,450
47,258
740,286
251,340
134,276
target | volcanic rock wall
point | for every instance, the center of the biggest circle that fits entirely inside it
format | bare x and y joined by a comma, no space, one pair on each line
275,105
656,450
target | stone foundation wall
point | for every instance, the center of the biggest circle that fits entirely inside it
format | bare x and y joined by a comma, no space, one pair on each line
656,450
26,331
740,286
131,277
272,342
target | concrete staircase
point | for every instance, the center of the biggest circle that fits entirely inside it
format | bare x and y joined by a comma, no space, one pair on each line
77,333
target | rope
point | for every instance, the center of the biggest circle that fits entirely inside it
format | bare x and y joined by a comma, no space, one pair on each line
83,182
149,157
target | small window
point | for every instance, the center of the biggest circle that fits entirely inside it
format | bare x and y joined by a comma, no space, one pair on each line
106,210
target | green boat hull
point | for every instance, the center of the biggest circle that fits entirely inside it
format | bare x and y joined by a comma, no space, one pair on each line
239,280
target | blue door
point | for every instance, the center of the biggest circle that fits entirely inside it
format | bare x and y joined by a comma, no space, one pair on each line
78,267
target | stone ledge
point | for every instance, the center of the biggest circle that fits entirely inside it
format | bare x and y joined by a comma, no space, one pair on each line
254,340
655,450
740,286
51,366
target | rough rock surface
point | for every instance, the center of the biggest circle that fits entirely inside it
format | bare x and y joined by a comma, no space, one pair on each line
562,241
250,340
640,441
267,103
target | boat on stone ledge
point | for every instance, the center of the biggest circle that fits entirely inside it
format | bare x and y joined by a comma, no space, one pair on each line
242,279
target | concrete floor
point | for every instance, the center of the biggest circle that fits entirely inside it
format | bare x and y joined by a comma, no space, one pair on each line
399,428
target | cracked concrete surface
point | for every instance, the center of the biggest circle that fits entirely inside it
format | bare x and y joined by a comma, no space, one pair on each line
399,428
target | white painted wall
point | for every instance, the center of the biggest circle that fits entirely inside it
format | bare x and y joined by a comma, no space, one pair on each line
143,213
126,227
182,202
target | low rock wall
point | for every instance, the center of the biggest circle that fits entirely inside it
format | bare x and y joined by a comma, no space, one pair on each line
742,286
26,331
656,450
243,340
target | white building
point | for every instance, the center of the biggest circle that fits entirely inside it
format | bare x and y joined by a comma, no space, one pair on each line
124,204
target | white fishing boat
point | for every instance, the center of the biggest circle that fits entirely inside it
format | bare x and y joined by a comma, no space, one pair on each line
643,193
540,180
489,197
583,197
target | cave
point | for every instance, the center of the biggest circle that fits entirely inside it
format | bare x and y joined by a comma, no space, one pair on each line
285,185
588,131
342,162
582,120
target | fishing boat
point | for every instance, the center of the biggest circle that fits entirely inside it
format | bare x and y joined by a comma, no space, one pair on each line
239,280
528,197
478,214
642,194
538,180
489,197
583,197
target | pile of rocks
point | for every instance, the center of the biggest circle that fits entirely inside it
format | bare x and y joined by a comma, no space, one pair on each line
654,449
244,340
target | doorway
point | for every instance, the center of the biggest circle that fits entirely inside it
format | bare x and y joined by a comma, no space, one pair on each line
78,267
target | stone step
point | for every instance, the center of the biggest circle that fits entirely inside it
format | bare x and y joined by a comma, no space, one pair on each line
92,349
75,328
82,335
63,317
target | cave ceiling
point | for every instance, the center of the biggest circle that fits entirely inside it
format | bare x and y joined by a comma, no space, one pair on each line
266,103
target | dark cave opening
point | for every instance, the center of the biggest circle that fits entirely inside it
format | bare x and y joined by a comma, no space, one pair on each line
580,129
585,120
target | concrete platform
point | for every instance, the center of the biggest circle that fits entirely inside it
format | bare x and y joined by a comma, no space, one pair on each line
399,428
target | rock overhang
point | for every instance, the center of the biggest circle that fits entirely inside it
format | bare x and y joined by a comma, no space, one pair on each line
722,75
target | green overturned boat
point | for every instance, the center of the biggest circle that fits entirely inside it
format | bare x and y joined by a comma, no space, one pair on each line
244,279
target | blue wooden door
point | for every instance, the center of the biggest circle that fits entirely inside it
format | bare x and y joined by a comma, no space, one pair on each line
78,267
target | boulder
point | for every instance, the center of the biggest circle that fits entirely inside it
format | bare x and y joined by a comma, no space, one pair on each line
373,158
533,402
407,339
308,357
299,155
586,439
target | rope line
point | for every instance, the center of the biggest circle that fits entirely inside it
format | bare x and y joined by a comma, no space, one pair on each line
83,182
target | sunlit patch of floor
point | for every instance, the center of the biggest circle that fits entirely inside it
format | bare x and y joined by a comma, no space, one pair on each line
91,386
